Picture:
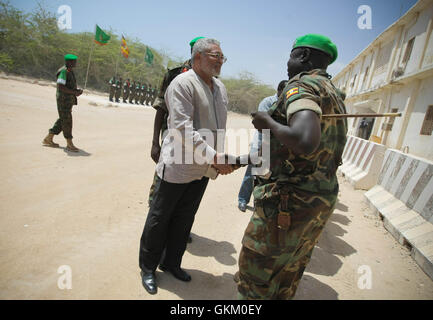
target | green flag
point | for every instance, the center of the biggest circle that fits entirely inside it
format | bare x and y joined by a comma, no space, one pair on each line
101,37
149,56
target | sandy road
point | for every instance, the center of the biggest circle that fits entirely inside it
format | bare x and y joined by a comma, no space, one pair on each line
86,211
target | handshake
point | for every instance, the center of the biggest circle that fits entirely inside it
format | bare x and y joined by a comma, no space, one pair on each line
225,164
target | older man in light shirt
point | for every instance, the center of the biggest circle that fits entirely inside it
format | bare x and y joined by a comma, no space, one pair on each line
197,104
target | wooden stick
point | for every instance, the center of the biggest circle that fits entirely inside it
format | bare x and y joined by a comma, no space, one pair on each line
362,115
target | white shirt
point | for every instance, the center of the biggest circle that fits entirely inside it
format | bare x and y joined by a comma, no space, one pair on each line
197,121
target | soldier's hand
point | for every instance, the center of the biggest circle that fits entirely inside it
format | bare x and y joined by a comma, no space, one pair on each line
78,92
260,120
221,164
155,152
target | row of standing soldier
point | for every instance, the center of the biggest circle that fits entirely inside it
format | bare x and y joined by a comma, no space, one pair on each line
136,92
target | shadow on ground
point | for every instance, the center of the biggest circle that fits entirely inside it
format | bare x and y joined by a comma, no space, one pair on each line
222,251
325,260
217,287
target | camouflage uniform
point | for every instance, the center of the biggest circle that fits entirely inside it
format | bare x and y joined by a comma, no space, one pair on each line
65,102
137,93
126,86
160,103
294,203
118,89
112,83
143,94
132,92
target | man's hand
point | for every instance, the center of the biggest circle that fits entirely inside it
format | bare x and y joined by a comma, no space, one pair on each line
221,165
261,120
78,92
154,152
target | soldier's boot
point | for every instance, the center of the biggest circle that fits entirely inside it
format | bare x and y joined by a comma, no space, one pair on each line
48,141
70,146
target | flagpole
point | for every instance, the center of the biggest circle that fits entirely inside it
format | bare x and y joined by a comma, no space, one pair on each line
117,62
88,64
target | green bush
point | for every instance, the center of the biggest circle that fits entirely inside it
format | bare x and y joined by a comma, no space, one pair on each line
32,45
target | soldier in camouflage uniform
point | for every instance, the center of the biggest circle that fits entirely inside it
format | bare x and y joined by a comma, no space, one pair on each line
154,91
132,92
126,86
294,201
112,84
118,89
148,93
137,93
66,97
143,93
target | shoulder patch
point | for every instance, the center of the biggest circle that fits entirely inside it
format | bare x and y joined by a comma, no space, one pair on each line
292,92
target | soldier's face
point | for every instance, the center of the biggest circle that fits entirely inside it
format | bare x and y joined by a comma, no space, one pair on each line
295,63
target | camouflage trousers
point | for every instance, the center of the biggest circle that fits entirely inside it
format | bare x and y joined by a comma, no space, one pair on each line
112,91
153,187
117,94
64,123
272,260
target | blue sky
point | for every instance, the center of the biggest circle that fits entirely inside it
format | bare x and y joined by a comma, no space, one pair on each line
256,36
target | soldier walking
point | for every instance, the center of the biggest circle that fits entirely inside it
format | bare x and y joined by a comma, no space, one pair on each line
66,96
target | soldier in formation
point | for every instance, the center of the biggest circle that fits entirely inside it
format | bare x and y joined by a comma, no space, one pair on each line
118,89
112,84
126,86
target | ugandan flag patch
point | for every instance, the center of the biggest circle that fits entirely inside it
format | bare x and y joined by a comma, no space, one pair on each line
292,92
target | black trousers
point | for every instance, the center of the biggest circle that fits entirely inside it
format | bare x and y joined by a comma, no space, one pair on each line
169,222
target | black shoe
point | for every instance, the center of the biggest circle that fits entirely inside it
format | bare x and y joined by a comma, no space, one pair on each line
242,206
177,272
149,282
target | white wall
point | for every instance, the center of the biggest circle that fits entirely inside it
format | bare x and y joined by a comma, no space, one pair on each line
420,145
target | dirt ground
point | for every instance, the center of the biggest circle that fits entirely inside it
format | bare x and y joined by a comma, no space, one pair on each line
85,212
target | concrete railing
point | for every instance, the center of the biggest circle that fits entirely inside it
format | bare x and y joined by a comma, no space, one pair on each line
403,197
362,161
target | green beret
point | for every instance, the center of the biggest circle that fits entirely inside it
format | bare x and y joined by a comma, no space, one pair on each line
319,42
70,57
193,41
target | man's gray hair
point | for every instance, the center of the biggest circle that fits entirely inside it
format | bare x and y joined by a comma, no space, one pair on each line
203,45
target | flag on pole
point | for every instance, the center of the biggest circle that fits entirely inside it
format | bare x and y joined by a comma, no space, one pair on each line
149,56
101,37
124,48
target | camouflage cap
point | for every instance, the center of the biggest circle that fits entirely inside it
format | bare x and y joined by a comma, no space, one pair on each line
193,41
70,57
319,42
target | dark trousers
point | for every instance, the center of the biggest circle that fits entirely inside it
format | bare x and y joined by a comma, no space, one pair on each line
64,123
169,222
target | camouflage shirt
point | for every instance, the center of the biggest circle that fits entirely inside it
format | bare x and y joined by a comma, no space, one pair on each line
67,78
316,172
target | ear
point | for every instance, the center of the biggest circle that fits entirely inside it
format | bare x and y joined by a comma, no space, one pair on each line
305,56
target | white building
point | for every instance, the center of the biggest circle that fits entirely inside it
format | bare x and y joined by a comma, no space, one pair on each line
395,74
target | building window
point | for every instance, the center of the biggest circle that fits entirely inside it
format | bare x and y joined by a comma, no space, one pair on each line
365,78
408,51
353,82
427,125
